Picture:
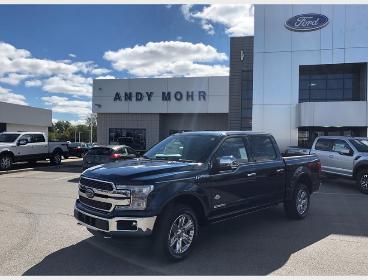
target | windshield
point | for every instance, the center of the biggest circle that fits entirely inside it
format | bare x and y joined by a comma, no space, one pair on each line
360,144
100,151
8,137
193,148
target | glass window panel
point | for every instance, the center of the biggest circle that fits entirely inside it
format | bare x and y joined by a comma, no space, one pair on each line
335,84
317,95
335,76
317,84
304,84
348,94
348,83
335,94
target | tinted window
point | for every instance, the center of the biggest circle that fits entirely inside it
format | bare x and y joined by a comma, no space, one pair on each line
121,151
262,148
340,145
360,144
233,147
27,137
100,151
324,144
184,147
8,138
37,138
135,138
131,151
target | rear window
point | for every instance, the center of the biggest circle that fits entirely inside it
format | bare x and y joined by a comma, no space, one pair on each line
324,144
100,151
262,148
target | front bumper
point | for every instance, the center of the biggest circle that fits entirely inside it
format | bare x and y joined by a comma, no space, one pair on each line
117,226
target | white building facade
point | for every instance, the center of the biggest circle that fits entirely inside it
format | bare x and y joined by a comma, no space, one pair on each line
19,118
311,82
141,112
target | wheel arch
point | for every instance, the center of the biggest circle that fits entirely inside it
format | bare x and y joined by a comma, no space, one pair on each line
359,167
7,152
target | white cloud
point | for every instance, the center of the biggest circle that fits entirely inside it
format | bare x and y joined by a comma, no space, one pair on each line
6,95
72,55
238,19
70,84
105,77
168,58
56,76
100,71
33,83
65,105
13,78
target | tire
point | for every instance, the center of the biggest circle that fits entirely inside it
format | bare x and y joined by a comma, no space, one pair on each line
362,181
298,207
6,162
55,158
170,229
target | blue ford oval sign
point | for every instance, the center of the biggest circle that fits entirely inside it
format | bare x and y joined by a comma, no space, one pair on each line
306,22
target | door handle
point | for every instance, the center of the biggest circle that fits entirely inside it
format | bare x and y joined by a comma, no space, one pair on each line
330,156
280,170
251,174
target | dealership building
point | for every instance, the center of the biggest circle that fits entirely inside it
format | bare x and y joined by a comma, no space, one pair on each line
302,74
19,118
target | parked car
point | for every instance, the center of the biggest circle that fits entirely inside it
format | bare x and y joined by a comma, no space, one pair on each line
29,146
104,154
78,149
190,179
344,156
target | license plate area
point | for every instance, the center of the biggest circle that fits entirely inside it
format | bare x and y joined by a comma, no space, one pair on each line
92,221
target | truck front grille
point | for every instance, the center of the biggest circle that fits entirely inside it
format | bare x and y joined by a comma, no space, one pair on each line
95,204
96,184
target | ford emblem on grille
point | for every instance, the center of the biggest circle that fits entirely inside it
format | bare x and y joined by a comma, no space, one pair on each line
306,22
90,193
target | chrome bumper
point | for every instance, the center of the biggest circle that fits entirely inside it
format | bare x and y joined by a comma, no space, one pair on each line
142,225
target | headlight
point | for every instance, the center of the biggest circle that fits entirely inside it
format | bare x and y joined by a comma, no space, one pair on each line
138,196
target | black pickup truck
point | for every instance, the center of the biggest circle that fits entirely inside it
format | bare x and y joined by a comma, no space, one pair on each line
190,179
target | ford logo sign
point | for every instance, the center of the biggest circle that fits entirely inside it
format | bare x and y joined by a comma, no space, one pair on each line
89,193
306,22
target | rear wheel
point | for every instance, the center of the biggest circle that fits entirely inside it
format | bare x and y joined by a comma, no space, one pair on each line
362,181
6,162
298,206
55,158
176,232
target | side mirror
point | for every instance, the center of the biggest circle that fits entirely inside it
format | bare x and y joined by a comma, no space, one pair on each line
345,152
226,163
22,142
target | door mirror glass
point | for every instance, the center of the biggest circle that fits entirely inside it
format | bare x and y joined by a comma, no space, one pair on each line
22,142
226,163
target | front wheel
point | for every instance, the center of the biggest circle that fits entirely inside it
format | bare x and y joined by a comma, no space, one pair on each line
6,162
55,158
362,181
298,206
176,233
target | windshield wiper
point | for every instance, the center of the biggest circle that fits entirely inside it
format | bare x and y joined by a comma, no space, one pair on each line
186,160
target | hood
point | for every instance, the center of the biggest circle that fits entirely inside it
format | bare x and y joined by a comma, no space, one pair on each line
141,171
4,145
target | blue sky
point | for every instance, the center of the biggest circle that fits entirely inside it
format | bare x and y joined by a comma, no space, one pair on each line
49,54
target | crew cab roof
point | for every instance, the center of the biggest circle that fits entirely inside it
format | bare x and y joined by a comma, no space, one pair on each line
222,133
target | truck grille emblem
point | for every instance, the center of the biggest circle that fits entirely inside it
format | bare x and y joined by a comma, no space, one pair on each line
90,193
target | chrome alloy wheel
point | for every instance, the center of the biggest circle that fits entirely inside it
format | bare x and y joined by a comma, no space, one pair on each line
302,201
364,182
5,163
181,234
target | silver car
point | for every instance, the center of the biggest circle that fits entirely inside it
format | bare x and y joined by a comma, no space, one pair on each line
104,154
344,156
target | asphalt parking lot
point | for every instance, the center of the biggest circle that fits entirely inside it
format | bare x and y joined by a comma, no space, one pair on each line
40,236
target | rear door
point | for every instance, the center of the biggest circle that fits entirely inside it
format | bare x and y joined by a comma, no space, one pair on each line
40,147
323,149
269,168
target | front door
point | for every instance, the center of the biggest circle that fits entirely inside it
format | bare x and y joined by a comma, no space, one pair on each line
231,190
342,163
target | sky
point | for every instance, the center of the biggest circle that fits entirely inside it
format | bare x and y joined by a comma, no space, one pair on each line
50,54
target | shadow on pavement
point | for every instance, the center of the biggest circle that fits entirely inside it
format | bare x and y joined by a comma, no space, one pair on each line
256,244
70,166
